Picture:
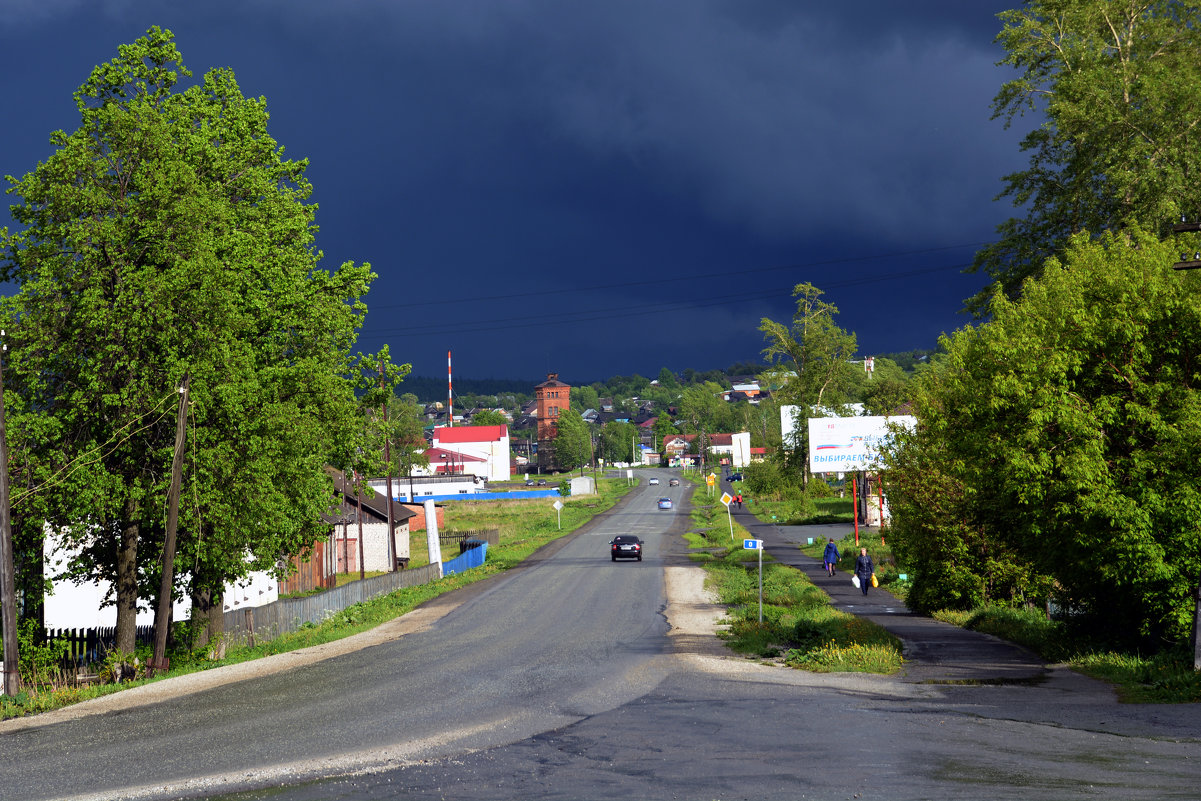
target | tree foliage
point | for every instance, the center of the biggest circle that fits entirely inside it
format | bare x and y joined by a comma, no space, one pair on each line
573,440
1056,448
167,236
810,359
1118,83
615,442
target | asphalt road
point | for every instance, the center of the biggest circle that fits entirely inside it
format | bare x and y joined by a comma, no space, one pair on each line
560,681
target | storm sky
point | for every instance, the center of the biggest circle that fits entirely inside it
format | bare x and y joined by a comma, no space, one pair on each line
596,188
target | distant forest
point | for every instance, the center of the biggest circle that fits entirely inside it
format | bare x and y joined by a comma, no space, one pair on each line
429,390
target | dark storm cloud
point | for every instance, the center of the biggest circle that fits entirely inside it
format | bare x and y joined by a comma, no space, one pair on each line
613,163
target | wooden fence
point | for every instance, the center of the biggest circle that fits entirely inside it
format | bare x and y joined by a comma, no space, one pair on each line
90,646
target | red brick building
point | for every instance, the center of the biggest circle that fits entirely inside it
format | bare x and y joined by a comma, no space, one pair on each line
552,397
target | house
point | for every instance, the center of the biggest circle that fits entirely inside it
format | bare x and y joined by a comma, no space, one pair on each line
485,448
732,449
362,514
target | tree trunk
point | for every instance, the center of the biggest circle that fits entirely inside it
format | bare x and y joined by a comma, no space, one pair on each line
127,581
208,614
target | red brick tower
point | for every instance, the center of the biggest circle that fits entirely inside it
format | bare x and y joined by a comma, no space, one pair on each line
553,396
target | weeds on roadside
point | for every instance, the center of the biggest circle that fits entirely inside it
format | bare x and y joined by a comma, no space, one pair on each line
798,622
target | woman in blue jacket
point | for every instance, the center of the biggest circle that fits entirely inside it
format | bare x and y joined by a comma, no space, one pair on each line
830,557
864,567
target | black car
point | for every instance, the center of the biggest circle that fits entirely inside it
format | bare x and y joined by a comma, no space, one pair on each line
734,477
625,546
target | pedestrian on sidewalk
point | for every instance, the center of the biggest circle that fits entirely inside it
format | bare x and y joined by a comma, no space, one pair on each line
864,568
831,557
738,500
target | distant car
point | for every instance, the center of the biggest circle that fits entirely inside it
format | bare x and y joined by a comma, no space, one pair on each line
734,477
675,482
653,482
542,482
625,546
529,483
665,503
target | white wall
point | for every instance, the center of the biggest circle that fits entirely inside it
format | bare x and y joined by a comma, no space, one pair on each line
375,545
75,606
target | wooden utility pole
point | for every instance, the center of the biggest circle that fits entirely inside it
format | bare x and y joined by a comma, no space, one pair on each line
358,513
162,615
8,576
388,475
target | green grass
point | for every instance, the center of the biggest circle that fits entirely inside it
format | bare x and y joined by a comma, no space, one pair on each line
525,526
799,626
802,511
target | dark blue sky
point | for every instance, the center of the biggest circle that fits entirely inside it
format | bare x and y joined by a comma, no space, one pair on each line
596,188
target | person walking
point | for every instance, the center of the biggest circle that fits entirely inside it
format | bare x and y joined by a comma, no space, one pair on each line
738,500
864,568
830,557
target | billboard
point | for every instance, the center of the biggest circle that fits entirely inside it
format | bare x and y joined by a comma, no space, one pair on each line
845,444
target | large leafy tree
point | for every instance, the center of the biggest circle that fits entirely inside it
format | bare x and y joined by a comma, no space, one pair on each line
1118,86
615,442
1058,442
573,440
810,361
168,237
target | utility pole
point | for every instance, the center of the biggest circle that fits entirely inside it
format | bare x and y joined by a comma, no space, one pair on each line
162,615
388,475
8,576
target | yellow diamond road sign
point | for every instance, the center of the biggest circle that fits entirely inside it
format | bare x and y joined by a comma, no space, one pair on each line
725,498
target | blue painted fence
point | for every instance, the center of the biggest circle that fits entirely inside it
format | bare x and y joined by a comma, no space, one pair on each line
472,557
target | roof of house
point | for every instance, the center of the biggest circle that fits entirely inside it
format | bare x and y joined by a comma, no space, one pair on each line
454,434
374,505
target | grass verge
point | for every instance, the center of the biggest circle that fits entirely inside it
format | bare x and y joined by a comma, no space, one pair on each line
525,526
799,627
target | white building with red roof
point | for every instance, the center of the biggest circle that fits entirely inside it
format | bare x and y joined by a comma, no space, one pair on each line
482,450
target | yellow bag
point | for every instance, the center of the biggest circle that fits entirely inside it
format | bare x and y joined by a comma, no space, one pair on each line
874,582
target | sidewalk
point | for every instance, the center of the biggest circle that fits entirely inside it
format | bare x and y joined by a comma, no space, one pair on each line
934,651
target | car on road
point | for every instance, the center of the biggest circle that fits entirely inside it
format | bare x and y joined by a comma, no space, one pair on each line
675,482
542,482
734,477
653,482
665,503
625,546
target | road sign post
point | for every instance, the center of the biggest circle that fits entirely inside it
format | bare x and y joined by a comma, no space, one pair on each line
757,545
559,513
725,498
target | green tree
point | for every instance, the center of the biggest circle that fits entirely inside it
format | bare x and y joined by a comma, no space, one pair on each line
1118,85
1063,436
489,417
884,390
615,442
663,427
810,362
702,409
167,237
573,440
584,398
